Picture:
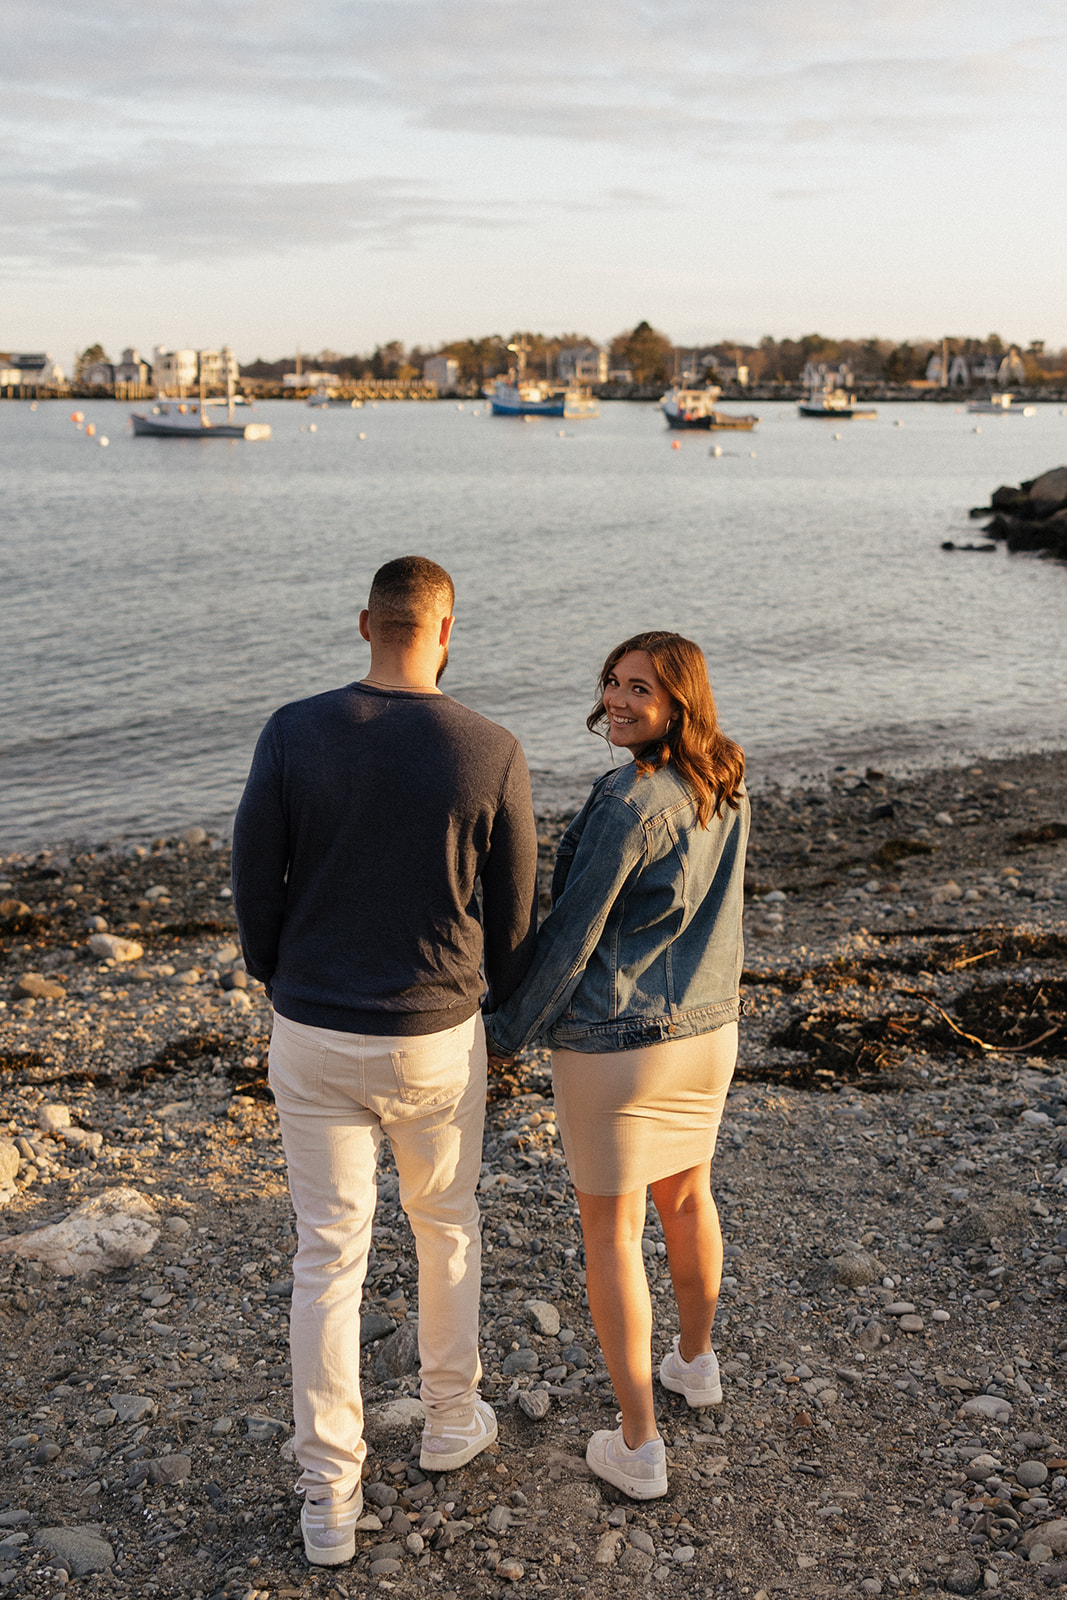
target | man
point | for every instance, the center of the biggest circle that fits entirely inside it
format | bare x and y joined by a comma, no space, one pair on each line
372,819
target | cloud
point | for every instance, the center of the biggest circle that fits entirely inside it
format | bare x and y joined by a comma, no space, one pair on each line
181,205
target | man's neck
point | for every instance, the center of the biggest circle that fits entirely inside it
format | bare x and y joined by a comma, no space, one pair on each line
399,672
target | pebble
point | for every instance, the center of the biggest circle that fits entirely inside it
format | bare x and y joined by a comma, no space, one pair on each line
534,1403
133,1407
520,1361
261,1429
170,1469
1031,1473
109,947
911,1324
53,1117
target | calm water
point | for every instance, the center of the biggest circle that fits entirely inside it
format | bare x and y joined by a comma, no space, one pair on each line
159,598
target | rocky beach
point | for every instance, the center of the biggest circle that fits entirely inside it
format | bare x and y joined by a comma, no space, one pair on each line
892,1178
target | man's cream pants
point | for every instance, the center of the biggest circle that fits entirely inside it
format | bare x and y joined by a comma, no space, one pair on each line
337,1093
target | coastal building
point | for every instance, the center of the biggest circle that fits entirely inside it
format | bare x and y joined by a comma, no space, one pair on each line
97,375
443,372
177,371
30,372
582,363
823,375
132,368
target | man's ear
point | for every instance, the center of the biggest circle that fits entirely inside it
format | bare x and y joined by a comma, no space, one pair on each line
446,631
364,625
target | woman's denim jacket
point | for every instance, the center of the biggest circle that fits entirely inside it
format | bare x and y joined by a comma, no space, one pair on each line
643,941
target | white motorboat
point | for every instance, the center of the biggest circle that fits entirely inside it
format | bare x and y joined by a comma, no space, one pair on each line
199,418
828,402
695,408
1001,405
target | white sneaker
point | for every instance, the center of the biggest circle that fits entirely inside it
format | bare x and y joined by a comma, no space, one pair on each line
640,1473
447,1444
328,1526
698,1379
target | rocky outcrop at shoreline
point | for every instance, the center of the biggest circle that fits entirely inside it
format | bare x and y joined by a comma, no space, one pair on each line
892,1176
1031,516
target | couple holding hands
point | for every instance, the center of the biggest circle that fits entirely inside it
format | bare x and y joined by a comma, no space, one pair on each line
384,873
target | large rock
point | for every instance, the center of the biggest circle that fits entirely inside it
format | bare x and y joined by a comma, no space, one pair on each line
113,1229
1051,1534
81,1548
399,1354
1049,492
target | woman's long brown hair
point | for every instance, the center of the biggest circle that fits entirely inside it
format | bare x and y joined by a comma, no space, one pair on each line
712,765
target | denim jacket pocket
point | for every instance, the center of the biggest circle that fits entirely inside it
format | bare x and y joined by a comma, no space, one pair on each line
431,1074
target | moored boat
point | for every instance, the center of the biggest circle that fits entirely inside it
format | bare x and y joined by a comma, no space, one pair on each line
192,419
513,396
828,402
1001,404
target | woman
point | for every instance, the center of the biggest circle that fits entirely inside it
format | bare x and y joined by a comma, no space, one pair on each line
634,984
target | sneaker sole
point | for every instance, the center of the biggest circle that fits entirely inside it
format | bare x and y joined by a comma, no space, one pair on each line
331,1555
635,1488
459,1458
676,1386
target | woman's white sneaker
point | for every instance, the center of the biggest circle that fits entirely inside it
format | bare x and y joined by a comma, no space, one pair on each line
698,1379
328,1526
640,1473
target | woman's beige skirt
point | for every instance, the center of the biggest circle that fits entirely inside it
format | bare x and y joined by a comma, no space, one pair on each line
630,1117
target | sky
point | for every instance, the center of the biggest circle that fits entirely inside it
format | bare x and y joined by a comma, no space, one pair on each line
341,174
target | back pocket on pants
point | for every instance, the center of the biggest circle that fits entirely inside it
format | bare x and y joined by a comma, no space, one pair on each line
430,1073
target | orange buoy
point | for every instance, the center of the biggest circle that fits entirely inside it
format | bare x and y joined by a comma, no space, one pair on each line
675,445
90,429
77,416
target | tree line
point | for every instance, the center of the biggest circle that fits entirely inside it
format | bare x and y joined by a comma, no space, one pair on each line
649,356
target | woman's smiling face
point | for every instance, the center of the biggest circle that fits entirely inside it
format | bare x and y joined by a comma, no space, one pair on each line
638,707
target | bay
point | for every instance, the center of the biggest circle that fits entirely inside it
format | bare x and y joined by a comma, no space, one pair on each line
158,598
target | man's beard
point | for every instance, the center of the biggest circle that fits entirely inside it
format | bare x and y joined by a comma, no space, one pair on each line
441,668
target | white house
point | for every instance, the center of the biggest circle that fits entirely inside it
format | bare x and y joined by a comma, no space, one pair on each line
582,363
176,371
821,375
443,371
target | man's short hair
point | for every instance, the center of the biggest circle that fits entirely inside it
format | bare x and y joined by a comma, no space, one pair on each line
406,593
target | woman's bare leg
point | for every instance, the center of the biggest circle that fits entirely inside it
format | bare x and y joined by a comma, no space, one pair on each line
619,1302
693,1237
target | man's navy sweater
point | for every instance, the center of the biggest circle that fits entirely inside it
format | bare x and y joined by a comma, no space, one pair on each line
371,823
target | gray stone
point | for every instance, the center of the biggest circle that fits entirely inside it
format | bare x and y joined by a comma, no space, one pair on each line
900,1308
53,1117
234,979
133,1407
45,1452
499,1519
391,1550
1031,1473
282,1289
386,1566
109,947
575,1356
986,1405
33,986
82,1549
853,1269
642,1541
543,1316
520,1361
963,1577
1049,492
379,1494
1053,1535
607,1548
534,1403
170,1469
96,924
260,1429
909,1323
635,1561
13,1519
83,1139
399,1354
194,836
373,1325
685,1552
